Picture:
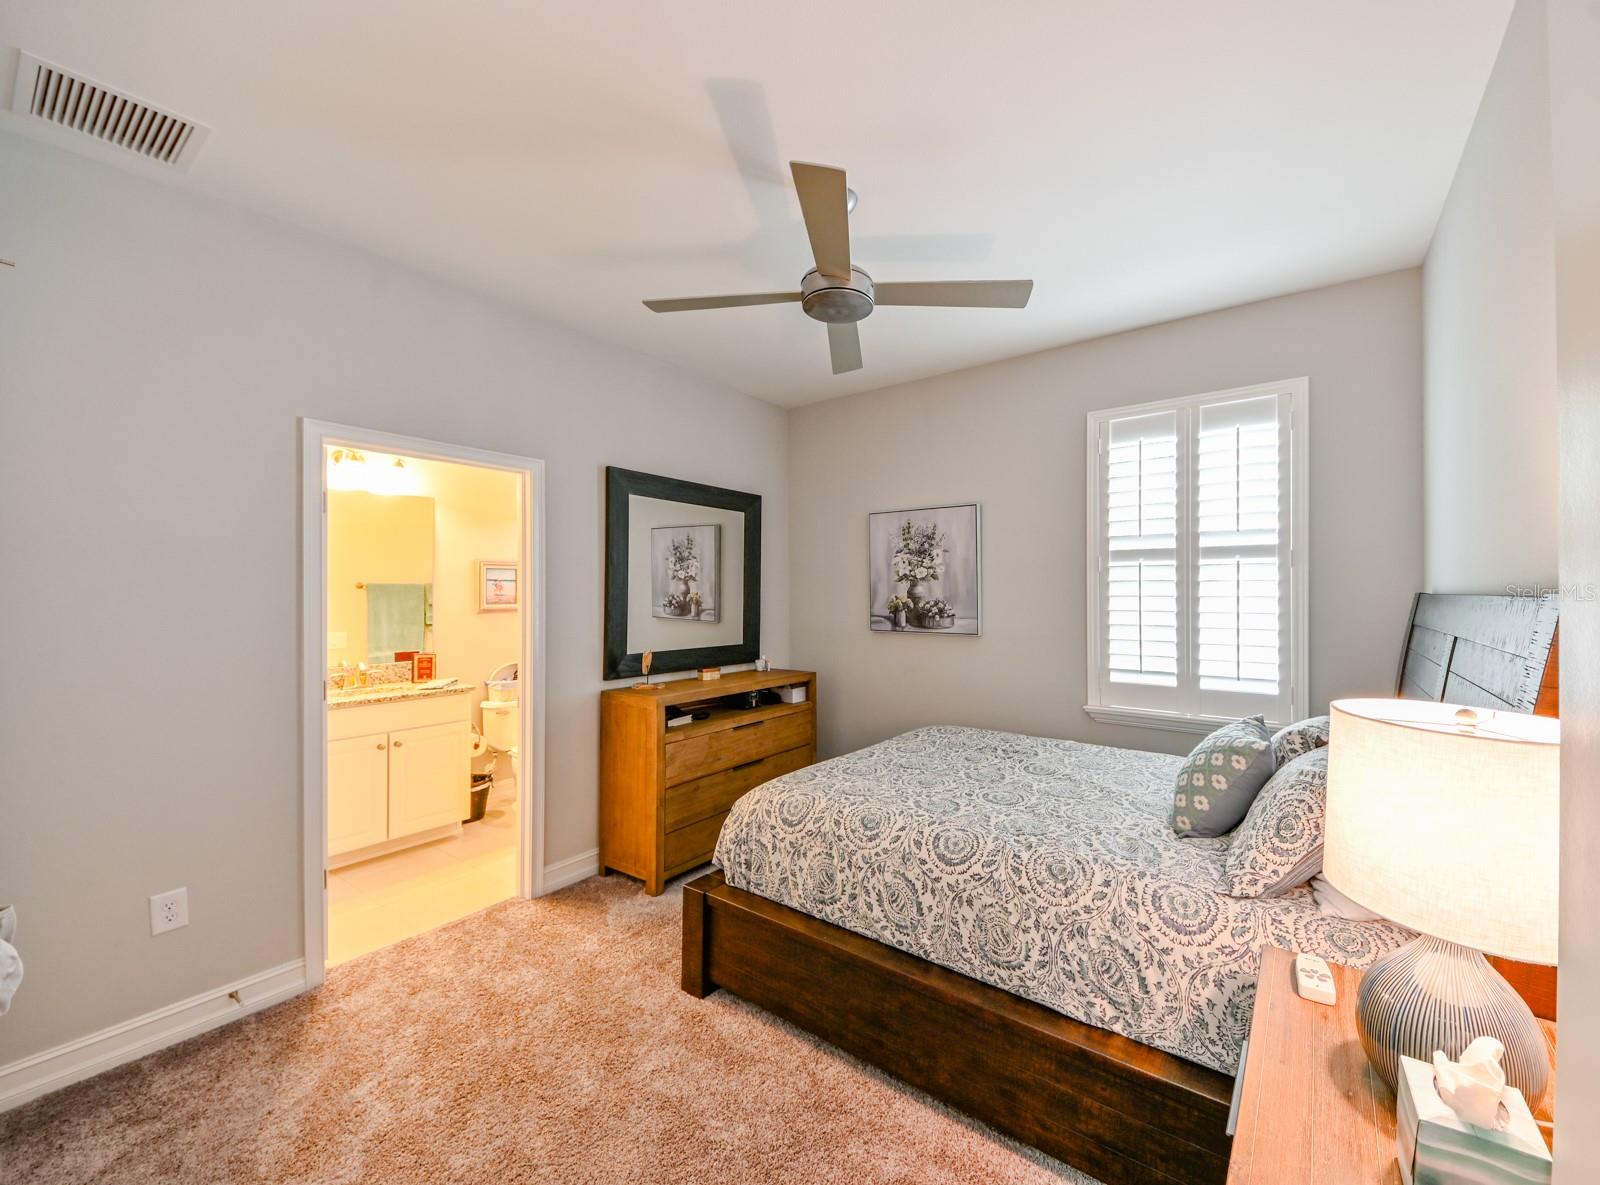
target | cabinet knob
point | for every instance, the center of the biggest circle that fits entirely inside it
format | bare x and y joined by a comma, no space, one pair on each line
397,744
380,746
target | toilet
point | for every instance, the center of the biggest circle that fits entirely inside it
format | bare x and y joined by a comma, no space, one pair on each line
502,717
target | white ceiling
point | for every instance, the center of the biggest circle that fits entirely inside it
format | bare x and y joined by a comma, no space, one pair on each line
1139,159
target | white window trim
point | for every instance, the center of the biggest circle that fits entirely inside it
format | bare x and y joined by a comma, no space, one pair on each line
1299,392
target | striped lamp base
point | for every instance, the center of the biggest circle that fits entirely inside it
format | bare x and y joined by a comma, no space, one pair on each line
1432,994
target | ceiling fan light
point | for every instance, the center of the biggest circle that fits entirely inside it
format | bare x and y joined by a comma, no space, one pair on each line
838,306
834,301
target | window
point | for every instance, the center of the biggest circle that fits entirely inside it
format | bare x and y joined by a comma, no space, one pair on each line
1197,550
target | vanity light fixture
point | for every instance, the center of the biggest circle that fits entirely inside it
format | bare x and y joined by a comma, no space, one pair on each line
370,473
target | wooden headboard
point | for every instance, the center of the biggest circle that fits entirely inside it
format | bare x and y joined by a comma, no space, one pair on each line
1489,652
1483,652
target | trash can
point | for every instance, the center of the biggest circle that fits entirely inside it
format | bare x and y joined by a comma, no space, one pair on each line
480,796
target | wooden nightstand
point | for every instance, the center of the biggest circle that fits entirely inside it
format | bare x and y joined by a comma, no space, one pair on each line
1310,1109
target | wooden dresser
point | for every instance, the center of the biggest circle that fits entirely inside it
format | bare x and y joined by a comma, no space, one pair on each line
664,792
1310,1109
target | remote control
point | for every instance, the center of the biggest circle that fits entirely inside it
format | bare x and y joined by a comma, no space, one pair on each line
1313,980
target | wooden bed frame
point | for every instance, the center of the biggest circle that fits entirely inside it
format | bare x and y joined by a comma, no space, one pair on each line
1120,1111
1123,1112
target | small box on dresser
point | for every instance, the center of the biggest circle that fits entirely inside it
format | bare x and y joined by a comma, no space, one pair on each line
664,792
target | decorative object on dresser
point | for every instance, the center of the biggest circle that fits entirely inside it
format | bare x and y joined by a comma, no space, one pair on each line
664,794
691,594
924,569
1308,1106
1446,820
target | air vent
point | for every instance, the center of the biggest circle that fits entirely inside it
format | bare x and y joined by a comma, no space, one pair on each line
81,105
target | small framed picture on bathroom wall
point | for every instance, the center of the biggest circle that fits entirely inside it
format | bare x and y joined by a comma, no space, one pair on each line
498,587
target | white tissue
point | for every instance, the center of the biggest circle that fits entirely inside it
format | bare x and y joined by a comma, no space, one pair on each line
10,961
1474,1086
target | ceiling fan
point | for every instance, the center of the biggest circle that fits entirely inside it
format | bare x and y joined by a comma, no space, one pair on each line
839,294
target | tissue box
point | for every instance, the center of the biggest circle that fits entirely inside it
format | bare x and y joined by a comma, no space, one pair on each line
792,695
1437,1148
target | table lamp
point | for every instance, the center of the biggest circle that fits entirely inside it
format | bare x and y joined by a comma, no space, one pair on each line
1445,819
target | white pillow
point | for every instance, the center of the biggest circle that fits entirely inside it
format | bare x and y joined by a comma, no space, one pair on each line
1335,904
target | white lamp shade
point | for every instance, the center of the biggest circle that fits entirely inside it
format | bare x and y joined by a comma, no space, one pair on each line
1449,829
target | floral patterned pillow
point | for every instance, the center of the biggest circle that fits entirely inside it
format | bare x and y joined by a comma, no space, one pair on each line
1221,779
1279,844
1292,740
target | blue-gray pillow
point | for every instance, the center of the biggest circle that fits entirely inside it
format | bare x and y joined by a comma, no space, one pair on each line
1221,778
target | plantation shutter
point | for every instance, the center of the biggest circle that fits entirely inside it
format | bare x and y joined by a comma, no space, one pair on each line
1193,553
1141,507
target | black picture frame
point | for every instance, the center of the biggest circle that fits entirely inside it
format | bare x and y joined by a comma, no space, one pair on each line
622,484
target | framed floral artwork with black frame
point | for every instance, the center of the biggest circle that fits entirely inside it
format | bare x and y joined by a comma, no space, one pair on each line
683,574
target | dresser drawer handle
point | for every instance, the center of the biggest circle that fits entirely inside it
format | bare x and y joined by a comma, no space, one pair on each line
752,724
748,764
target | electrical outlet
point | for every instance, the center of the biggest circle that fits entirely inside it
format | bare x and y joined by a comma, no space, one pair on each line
169,910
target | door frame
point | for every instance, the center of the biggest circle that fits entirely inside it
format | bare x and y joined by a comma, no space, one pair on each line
315,437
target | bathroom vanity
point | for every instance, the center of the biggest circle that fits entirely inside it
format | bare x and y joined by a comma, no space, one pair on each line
399,768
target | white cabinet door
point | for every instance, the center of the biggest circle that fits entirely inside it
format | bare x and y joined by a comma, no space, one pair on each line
358,792
430,776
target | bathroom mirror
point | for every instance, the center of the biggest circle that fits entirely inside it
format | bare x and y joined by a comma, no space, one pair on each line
380,575
683,574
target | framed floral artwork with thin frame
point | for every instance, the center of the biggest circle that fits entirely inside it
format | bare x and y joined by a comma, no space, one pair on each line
925,570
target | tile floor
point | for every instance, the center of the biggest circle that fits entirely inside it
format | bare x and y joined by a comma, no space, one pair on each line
381,901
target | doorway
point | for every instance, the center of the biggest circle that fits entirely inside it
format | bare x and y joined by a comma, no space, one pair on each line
422,650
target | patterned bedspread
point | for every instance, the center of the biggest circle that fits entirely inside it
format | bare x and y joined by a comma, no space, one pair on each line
1044,867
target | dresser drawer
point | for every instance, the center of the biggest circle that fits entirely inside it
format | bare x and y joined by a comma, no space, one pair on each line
692,845
716,793
697,756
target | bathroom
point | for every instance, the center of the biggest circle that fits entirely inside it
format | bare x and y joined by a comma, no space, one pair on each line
425,605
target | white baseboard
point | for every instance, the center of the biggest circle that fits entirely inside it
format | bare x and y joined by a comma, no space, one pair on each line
30,1077
571,870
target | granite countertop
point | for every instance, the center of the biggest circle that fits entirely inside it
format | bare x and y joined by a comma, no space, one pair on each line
383,693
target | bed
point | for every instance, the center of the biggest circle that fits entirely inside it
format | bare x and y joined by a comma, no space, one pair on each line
1008,923
1046,868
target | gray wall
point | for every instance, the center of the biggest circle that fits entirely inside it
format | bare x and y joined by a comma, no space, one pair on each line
1575,132
1010,435
157,350
1490,405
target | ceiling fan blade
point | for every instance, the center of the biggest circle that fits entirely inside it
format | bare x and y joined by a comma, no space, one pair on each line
825,208
719,302
971,294
844,347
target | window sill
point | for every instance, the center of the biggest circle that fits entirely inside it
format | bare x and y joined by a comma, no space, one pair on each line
1153,718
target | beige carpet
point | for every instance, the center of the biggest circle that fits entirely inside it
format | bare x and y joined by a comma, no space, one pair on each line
537,1041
